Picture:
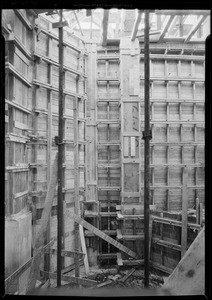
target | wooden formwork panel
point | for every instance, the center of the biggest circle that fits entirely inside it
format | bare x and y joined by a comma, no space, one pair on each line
112,195
108,134
131,177
109,178
112,93
42,95
108,154
70,82
71,58
131,117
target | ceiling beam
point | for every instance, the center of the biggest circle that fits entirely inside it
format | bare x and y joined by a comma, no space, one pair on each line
195,28
179,12
135,26
105,27
166,28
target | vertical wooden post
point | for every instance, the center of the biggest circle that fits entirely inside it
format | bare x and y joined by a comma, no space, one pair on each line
200,214
76,185
197,210
47,256
184,212
146,137
60,158
84,250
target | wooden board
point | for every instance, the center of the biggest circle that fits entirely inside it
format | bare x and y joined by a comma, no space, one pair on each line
188,278
101,234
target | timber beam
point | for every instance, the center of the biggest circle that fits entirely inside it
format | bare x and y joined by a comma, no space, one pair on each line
181,12
101,234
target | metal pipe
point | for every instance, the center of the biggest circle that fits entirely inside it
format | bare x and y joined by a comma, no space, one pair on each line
146,137
60,158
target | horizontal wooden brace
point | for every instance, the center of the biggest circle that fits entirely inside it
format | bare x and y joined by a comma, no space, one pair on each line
175,222
65,43
60,24
9,67
175,57
132,133
167,79
109,166
161,267
109,188
20,194
51,61
180,12
65,252
15,138
108,100
54,88
103,256
108,57
109,143
130,194
77,280
24,20
129,237
166,244
133,262
131,161
129,217
12,103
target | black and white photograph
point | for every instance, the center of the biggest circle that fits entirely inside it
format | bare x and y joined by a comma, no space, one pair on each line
105,111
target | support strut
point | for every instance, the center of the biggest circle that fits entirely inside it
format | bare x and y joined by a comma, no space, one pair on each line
60,157
146,137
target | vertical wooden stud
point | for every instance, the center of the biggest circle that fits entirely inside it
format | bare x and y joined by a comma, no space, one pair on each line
184,212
